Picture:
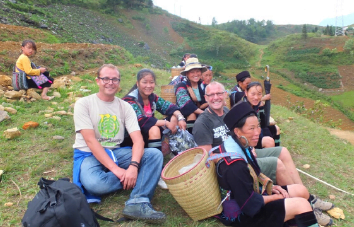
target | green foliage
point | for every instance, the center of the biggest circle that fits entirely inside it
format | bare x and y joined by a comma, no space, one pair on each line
328,52
218,67
349,45
165,30
138,17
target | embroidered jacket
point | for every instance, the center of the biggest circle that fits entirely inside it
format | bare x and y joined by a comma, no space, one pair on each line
156,103
184,100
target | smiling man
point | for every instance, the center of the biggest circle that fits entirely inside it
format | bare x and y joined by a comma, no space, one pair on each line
101,166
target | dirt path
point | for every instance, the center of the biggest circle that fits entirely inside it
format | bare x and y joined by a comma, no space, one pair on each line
346,135
260,58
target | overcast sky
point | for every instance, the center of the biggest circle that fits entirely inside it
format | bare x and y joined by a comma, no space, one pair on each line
278,11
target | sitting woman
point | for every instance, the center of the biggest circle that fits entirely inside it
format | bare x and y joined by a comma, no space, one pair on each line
189,93
238,172
270,135
145,102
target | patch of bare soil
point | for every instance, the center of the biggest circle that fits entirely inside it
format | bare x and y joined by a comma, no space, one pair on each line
346,135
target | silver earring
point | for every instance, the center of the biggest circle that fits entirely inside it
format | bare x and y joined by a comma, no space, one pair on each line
245,140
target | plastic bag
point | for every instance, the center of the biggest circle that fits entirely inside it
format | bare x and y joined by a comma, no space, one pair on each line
180,141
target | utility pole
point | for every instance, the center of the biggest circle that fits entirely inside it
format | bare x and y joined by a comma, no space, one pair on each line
339,26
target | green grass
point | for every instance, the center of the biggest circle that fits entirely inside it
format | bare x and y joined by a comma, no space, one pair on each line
35,154
346,99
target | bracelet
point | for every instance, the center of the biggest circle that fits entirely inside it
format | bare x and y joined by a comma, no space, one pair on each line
180,117
134,163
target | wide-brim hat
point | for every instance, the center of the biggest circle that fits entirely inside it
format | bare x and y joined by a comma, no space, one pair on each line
193,63
236,113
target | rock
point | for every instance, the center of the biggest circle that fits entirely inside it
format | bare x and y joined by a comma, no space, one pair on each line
70,113
5,80
13,94
2,93
56,94
54,103
2,108
120,20
30,124
291,118
48,115
62,112
73,73
56,118
33,94
85,90
138,65
58,84
4,116
8,204
306,166
10,110
12,133
83,87
146,46
336,213
58,137
44,26
76,79
332,197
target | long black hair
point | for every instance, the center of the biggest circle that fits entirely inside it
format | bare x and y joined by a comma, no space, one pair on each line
140,75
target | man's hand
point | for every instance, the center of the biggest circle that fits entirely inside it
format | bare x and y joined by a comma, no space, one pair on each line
279,190
129,178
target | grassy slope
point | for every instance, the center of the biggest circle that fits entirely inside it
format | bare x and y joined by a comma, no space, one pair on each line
35,154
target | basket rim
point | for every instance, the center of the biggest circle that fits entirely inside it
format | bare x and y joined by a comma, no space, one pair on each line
177,156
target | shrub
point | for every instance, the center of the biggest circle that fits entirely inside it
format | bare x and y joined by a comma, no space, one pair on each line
218,67
349,45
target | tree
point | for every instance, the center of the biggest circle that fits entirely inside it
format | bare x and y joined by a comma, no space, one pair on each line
304,32
214,22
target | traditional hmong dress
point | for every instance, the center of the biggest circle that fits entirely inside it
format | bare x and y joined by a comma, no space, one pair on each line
156,104
184,100
238,174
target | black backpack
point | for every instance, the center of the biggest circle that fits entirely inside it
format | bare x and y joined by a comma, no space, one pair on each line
59,203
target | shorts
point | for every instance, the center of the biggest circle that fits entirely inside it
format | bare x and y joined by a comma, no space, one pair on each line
267,159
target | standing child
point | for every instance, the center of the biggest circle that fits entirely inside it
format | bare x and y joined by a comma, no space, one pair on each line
36,77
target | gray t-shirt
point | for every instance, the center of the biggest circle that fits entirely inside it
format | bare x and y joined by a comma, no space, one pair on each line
210,129
108,120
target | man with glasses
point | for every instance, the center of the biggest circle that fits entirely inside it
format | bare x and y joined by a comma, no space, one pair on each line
101,166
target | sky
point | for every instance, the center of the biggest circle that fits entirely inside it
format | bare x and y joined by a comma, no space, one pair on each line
279,11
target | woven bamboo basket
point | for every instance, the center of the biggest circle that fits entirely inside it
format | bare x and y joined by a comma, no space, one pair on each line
176,71
196,191
168,93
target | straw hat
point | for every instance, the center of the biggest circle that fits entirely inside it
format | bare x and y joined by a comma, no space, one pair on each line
193,63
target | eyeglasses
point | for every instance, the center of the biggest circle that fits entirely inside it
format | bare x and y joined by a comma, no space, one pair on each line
219,94
106,80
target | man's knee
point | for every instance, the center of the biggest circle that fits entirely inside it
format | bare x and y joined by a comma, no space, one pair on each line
153,154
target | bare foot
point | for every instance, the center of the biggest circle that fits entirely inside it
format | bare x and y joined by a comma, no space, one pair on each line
47,97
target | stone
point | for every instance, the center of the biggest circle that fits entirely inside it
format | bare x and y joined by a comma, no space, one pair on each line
2,107
56,94
44,26
76,79
70,113
48,115
2,93
5,80
120,20
291,118
54,103
58,137
9,204
62,112
83,87
30,124
56,118
332,197
306,166
12,133
13,94
33,94
4,116
58,84
10,110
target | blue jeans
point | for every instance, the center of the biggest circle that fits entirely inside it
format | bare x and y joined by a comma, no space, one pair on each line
98,180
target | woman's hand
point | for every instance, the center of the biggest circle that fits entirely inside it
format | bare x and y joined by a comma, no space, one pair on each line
279,190
254,152
171,127
42,70
182,124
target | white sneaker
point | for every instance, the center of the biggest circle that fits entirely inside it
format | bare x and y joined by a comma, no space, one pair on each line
162,184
